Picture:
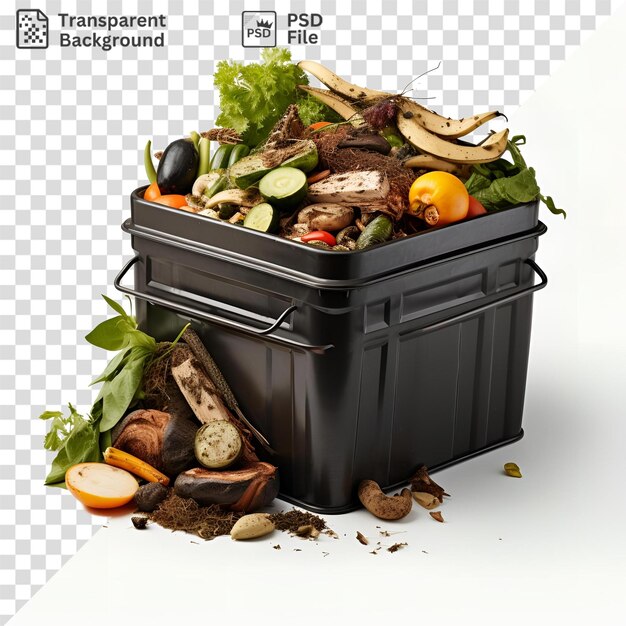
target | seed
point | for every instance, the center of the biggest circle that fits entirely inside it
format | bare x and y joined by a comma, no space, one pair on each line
512,469
252,526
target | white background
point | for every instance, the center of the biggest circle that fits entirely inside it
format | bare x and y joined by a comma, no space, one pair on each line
549,546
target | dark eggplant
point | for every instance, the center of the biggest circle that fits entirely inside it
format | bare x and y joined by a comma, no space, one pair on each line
178,167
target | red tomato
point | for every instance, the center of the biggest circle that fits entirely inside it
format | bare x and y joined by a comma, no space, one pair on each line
319,235
475,208
152,193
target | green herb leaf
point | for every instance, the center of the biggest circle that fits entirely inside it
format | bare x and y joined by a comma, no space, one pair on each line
118,393
118,308
549,202
60,427
113,367
112,334
46,415
81,446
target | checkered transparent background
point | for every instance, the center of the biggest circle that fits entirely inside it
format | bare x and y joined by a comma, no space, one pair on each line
72,124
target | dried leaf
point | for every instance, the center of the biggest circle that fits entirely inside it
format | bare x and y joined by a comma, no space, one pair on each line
362,538
423,483
222,135
427,500
396,546
512,469
436,515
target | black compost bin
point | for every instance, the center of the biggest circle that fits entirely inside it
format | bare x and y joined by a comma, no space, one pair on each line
353,364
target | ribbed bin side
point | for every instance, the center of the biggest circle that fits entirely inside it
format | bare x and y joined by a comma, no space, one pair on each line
427,365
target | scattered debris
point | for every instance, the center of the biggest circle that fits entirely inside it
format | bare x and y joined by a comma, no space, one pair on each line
277,547
290,521
512,469
386,533
139,522
361,538
396,546
307,531
436,515
325,554
427,500
423,483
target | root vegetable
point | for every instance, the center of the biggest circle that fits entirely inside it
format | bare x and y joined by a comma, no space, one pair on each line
382,506
162,440
149,496
248,488
130,463
330,217
100,486
252,526
218,444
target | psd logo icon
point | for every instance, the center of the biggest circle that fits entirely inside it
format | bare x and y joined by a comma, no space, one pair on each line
31,28
258,29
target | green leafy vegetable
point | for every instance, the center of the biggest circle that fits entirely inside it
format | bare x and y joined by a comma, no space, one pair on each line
253,97
502,184
79,440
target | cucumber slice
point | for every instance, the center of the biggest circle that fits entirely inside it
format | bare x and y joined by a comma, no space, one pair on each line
284,187
248,170
263,217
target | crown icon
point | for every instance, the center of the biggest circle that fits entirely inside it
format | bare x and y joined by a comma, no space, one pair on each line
262,24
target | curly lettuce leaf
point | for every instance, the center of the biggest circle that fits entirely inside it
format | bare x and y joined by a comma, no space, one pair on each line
254,96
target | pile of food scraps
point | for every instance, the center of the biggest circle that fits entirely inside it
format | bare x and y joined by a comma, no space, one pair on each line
343,168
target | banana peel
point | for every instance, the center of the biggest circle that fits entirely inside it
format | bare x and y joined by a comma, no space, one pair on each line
339,105
339,85
429,132
429,162
445,126
425,141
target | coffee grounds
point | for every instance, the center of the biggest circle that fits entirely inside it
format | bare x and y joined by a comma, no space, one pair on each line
291,521
207,522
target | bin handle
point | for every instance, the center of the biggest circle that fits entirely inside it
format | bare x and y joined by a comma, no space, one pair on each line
479,309
216,319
